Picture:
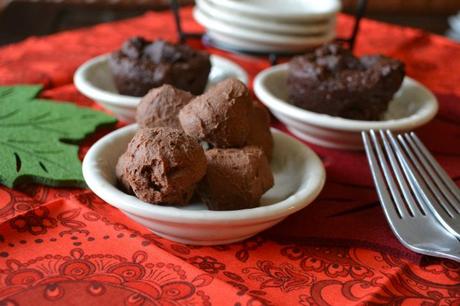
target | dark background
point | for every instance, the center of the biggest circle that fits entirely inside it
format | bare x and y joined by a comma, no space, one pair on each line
20,19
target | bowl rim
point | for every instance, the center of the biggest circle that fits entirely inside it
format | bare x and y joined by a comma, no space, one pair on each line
241,7
93,92
94,175
83,85
422,116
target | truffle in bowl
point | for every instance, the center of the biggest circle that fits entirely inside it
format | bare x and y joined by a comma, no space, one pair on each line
298,178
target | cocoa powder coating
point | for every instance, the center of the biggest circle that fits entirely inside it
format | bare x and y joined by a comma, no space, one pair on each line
162,166
161,106
235,178
220,116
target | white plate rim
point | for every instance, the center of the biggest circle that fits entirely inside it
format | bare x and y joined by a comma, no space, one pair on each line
251,46
240,7
257,36
239,20
88,89
339,123
96,181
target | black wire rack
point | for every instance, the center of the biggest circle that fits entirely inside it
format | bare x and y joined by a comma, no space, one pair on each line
273,57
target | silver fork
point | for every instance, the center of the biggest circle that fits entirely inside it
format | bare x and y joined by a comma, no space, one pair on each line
404,206
439,192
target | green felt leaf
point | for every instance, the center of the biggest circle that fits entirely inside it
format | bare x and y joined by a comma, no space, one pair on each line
22,93
38,138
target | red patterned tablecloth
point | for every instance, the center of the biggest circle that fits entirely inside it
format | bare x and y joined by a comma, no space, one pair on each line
66,246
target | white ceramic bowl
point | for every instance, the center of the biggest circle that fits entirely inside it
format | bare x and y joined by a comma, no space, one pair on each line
94,80
286,10
412,106
252,40
299,177
307,27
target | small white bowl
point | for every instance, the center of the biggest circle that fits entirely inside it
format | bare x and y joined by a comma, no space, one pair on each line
266,25
94,80
252,40
286,10
299,177
412,106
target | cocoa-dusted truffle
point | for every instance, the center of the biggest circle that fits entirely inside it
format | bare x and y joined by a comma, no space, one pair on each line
235,179
260,134
162,166
141,65
220,116
332,81
120,172
160,107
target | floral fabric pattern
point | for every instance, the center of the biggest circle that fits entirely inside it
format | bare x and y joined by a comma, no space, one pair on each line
62,246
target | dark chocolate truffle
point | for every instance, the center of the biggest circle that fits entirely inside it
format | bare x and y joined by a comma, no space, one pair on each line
332,81
161,106
259,133
141,65
220,116
235,178
120,172
162,166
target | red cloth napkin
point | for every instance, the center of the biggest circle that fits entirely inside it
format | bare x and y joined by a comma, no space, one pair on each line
66,246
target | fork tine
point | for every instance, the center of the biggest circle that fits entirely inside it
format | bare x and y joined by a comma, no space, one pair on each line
422,234
389,208
412,205
402,209
406,169
431,178
437,168
424,183
421,191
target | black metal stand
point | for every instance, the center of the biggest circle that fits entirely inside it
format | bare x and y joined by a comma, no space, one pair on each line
272,57
359,14
181,35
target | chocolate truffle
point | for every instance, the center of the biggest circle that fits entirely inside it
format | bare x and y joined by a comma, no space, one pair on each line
120,174
141,65
235,179
162,166
259,133
161,106
220,116
332,81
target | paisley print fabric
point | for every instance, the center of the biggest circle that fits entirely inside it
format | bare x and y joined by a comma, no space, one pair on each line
66,246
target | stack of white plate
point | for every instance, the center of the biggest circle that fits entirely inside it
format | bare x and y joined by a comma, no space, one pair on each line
268,25
454,31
